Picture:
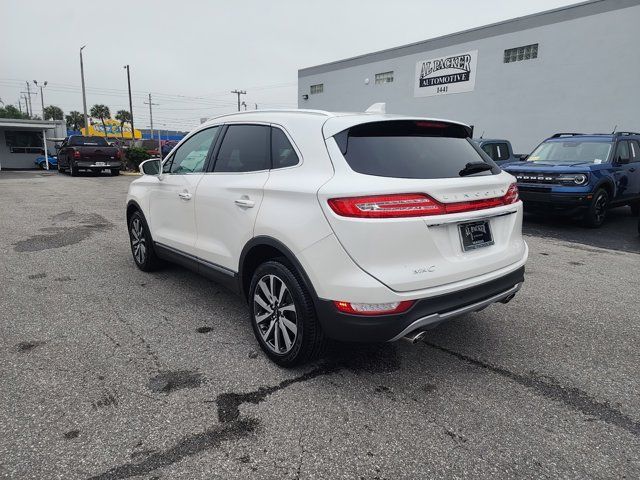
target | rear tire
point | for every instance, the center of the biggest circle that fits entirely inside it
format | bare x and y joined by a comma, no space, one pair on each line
597,211
635,208
144,255
284,322
73,170
115,172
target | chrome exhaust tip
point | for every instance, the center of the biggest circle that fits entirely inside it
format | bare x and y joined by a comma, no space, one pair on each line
414,337
508,299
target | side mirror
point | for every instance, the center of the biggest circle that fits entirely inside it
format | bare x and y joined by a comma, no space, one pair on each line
623,161
152,166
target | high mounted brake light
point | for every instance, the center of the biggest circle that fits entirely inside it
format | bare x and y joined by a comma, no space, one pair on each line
413,205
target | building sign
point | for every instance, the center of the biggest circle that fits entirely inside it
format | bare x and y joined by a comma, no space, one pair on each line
443,75
114,129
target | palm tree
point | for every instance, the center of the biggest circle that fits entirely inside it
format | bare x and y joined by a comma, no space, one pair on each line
75,120
123,116
102,112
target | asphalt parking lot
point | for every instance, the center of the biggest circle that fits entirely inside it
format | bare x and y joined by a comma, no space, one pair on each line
111,373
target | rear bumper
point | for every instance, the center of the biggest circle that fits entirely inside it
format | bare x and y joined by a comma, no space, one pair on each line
424,314
107,164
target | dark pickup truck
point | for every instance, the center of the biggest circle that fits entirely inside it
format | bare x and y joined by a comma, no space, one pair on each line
88,153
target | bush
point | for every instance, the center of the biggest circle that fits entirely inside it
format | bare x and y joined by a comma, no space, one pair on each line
135,156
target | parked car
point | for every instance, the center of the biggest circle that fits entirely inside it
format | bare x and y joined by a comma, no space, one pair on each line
499,150
88,153
357,227
581,175
42,164
148,145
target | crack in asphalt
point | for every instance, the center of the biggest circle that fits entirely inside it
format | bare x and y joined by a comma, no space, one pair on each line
211,438
572,397
229,403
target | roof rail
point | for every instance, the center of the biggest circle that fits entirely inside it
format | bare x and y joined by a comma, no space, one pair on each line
623,134
565,134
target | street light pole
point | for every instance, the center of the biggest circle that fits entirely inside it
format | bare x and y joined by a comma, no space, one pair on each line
133,130
84,95
44,135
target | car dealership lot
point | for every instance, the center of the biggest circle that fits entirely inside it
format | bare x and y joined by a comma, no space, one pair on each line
111,373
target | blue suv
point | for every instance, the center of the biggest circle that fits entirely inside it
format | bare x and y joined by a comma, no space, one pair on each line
581,175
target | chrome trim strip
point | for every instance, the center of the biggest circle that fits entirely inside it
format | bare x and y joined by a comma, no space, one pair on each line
438,317
471,219
213,266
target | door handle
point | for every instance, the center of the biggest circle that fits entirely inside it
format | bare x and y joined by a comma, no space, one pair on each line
633,169
184,195
245,202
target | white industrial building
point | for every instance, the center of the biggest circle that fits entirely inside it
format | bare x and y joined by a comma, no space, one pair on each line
572,69
22,141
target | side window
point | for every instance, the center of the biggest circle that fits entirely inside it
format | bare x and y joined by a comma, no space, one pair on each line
245,148
502,151
490,149
192,154
622,151
282,152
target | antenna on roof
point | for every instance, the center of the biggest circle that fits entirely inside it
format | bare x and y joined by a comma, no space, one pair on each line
614,129
377,108
482,136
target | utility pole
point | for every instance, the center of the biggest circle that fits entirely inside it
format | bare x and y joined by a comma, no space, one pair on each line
41,95
29,94
44,134
256,105
244,104
150,103
133,130
84,96
27,103
20,104
239,92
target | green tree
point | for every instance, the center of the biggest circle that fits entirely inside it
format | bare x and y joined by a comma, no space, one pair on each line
123,116
75,120
53,113
9,111
102,112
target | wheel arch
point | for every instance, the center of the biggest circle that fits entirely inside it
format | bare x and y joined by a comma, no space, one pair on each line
608,186
133,206
260,249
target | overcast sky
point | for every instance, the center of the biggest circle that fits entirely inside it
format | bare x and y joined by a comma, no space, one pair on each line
190,54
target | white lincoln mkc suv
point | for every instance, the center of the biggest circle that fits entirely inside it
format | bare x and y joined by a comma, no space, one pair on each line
362,227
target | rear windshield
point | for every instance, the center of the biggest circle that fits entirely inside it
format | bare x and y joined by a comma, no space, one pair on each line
410,149
77,141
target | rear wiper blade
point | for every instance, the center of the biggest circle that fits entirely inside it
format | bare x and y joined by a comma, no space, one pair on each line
474,167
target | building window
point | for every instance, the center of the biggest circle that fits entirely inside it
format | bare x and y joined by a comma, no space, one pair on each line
384,77
23,141
528,52
319,88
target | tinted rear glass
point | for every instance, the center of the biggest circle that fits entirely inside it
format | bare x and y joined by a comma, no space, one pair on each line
78,141
409,149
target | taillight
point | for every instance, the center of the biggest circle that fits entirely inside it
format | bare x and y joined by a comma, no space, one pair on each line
373,308
118,154
386,206
76,154
512,195
413,205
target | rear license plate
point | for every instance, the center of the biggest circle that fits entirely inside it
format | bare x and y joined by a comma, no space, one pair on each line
475,235
100,164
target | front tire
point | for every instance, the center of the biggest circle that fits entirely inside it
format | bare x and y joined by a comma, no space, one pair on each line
283,316
144,255
597,211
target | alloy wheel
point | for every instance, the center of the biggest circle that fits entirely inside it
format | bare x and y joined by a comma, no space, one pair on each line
600,208
138,241
275,314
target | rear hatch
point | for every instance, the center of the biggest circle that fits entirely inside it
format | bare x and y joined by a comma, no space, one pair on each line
413,205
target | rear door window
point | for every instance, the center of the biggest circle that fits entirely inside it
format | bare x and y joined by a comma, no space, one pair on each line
282,152
244,148
409,149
